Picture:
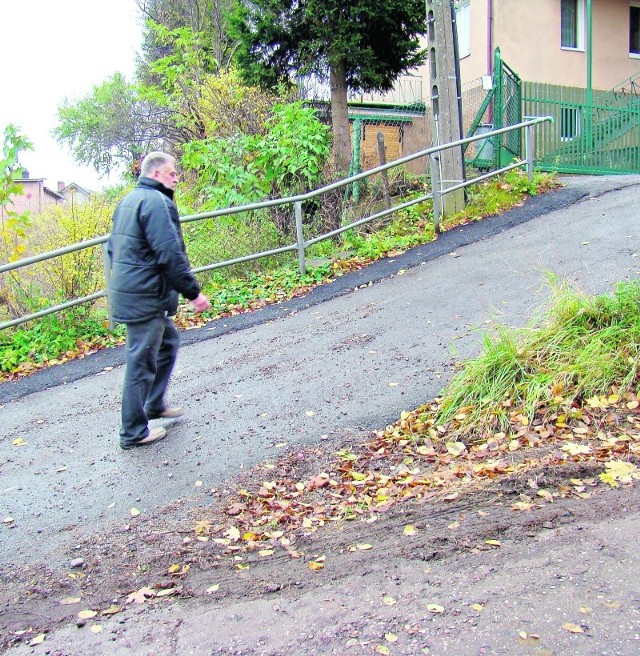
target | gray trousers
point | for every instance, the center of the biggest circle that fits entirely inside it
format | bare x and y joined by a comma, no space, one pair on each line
151,351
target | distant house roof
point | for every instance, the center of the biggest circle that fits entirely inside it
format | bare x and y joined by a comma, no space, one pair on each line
72,187
53,194
40,181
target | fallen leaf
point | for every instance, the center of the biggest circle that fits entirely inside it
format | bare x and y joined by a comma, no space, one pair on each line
576,449
383,649
87,614
410,529
134,512
493,543
619,470
477,607
95,628
435,608
112,610
166,592
315,565
266,552
233,534
456,448
388,601
19,441
391,637
213,588
572,628
38,640
364,547
140,596
70,600
545,494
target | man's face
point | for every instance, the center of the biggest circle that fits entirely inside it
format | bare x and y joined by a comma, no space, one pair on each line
167,175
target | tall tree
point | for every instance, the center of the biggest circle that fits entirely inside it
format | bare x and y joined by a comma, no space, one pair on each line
358,45
206,17
111,126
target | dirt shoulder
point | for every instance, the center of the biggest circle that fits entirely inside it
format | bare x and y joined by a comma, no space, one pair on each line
461,572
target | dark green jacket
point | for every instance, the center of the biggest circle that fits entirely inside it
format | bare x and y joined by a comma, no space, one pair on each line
149,265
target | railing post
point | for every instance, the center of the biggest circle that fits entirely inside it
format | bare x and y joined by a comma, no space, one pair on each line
300,237
529,149
434,166
382,155
106,264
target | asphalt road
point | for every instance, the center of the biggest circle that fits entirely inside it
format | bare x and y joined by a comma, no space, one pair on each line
346,359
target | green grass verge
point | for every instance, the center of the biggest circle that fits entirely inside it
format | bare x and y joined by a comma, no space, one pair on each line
579,347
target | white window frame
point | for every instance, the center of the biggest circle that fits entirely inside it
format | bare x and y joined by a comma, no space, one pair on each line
463,28
580,27
635,4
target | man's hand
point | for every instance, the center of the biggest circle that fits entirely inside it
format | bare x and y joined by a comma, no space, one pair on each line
201,303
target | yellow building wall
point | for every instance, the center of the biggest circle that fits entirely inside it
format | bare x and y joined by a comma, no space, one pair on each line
528,35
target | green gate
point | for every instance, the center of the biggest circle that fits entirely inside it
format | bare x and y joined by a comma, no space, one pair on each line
502,106
591,133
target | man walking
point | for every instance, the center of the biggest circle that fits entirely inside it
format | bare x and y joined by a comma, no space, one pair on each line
149,268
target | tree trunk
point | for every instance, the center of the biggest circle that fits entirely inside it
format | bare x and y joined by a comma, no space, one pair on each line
340,116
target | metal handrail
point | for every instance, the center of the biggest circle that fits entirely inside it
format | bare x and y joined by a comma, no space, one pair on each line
301,245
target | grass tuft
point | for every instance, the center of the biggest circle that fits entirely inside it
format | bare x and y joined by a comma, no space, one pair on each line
580,346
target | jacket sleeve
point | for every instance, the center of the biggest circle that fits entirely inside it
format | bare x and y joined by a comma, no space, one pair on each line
167,245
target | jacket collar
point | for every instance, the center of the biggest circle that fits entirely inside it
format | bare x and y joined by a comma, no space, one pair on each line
150,183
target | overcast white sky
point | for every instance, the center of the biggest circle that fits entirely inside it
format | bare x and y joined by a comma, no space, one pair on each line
56,49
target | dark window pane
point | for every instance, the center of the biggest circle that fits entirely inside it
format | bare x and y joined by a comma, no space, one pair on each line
569,123
569,23
634,30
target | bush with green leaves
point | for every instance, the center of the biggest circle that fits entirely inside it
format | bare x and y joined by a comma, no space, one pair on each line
13,224
287,159
79,273
55,337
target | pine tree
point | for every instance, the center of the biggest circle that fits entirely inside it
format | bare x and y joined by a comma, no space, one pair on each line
358,45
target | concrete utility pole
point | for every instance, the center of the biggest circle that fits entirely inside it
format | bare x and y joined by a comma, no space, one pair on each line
445,99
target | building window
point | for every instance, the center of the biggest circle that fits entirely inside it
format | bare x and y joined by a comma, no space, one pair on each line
463,28
634,28
572,24
569,123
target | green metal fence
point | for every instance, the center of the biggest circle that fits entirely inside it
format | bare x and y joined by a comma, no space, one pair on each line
601,137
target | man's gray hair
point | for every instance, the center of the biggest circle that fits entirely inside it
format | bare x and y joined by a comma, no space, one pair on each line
154,161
